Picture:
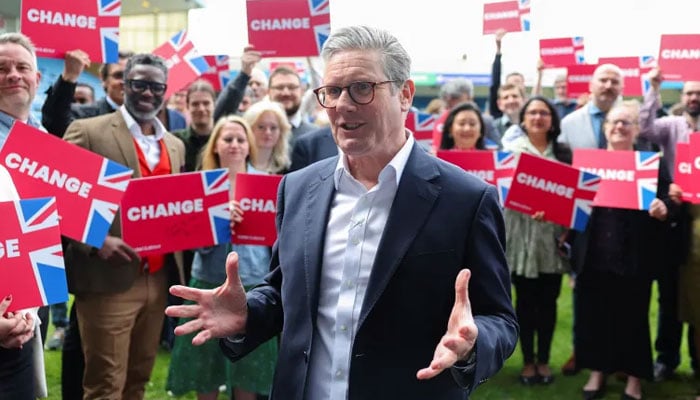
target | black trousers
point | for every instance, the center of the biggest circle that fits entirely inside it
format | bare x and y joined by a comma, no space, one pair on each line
72,361
536,309
16,374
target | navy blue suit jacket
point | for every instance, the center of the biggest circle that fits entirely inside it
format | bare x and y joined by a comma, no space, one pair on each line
313,146
442,220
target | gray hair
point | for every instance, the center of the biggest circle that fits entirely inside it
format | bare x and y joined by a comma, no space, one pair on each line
395,60
22,40
608,67
456,88
146,59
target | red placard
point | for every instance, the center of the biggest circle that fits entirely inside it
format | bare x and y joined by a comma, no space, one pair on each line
31,258
694,159
218,73
629,178
679,56
513,16
683,175
495,167
183,61
422,125
561,52
257,195
578,79
288,28
162,214
564,193
58,26
87,186
633,70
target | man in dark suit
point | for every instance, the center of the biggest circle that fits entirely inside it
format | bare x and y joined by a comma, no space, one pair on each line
369,265
113,287
313,146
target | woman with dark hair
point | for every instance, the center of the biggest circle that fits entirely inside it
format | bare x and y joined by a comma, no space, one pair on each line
463,129
531,249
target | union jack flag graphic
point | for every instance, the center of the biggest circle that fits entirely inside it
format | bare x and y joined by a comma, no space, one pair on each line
647,160
647,62
646,187
109,8
215,181
321,33
184,62
581,211
504,160
32,269
109,36
218,73
319,7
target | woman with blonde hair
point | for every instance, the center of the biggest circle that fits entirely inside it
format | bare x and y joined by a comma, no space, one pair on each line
204,368
272,134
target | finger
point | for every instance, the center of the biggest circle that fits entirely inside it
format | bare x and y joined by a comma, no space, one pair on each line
130,253
5,304
186,293
188,327
232,278
428,373
201,338
462,288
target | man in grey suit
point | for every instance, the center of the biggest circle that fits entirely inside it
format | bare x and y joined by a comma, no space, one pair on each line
583,127
369,285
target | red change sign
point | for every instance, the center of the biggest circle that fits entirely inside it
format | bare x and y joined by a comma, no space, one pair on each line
495,167
257,196
288,28
578,79
162,214
634,70
629,178
87,186
58,26
562,52
513,16
683,175
679,56
31,257
564,193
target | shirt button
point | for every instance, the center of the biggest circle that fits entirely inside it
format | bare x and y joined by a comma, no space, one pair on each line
355,241
343,328
338,373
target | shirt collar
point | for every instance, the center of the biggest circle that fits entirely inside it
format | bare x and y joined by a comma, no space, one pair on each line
397,164
135,129
593,110
111,103
295,120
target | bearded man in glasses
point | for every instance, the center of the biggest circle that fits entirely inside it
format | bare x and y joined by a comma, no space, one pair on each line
119,296
389,276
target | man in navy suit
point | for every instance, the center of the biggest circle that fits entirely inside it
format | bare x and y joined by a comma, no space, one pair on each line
370,287
313,146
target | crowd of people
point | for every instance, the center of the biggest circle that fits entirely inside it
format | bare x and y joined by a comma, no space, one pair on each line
391,276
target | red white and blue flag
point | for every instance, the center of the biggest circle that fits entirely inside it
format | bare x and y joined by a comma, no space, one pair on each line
288,28
513,16
629,178
87,186
422,125
218,73
31,267
495,167
562,52
58,26
184,62
162,214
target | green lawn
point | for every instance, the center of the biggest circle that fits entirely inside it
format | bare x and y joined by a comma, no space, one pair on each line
503,386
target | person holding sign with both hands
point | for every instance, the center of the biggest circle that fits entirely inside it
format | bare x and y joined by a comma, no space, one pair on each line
615,259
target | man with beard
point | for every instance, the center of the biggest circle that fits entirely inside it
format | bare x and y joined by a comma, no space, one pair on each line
583,127
285,88
120,297
666,132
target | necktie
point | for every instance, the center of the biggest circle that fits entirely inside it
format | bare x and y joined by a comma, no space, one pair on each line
600,123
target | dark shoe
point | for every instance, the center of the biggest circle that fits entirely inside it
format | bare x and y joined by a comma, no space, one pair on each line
569,368
545,374
594,394
529,380
662,372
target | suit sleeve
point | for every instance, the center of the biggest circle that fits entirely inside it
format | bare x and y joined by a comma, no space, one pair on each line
230,98
300,154
495,85
56,112
489,293
265,314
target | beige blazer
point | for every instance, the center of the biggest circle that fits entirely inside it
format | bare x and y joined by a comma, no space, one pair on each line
108,136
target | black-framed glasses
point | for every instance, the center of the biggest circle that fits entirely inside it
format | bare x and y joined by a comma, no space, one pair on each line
360,92
140,86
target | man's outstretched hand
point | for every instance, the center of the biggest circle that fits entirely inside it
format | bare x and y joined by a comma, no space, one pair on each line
460,338
218,312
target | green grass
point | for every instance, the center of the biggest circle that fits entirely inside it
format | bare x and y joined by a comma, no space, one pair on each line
504,386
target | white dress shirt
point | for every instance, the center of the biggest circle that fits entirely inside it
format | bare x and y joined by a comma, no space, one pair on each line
355,227
149,144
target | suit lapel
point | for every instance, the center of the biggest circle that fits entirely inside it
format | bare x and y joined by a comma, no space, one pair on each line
173,154
125,141
318,202
412,204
